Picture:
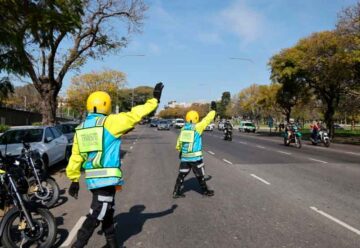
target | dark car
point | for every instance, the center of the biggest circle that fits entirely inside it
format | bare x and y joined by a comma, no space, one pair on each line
68,129
153,123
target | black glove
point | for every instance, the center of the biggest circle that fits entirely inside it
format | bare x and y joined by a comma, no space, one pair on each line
74,189
158,90
213,105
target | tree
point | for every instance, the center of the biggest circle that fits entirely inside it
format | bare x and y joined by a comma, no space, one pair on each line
223,105
82,86
286,72
127,98
44,40
180,112
25,97
6,88
329,68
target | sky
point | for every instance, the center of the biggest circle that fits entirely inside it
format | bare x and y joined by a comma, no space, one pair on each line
188,43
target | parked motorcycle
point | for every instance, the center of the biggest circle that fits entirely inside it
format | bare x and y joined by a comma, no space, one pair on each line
42,188
322,137
228,134
294,137
25,224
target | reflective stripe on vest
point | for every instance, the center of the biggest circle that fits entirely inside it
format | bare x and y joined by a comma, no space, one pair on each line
103,172
192,154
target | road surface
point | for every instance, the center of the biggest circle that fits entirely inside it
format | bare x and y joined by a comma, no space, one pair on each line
266,195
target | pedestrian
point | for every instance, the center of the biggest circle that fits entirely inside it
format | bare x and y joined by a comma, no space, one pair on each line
96,149
189,145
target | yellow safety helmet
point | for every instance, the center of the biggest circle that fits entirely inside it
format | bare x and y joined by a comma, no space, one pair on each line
99,102
192,116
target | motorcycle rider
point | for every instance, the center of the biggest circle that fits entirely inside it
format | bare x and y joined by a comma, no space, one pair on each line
290,127
227,128
189,145
96,148
315,130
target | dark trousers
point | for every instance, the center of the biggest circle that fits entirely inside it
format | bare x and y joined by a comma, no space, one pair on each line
102,210
198,168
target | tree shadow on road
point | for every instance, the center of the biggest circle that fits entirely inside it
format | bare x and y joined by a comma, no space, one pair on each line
131,223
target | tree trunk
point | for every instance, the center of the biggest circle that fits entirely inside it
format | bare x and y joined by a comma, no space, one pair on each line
329,114
48,91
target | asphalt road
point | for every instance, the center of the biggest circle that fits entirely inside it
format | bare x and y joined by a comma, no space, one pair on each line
266,195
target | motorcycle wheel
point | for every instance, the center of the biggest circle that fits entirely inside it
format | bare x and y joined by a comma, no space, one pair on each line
286,142
51,192
327,143
298,142
18,234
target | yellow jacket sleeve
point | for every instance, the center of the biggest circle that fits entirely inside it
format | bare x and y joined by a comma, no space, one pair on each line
118,124
75,162
200,127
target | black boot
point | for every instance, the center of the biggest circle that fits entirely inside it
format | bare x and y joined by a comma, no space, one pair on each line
177,189
111,242
205,190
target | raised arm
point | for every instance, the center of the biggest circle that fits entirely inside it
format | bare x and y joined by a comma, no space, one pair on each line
121,123
118,124
200,127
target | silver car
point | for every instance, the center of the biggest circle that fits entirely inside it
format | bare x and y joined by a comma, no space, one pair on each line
48,140
163,125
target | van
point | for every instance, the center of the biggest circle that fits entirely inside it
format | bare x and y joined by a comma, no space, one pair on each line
247,126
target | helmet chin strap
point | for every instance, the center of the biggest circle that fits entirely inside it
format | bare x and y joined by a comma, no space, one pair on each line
95,110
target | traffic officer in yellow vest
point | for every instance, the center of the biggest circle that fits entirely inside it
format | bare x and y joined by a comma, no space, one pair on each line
96,149
189,144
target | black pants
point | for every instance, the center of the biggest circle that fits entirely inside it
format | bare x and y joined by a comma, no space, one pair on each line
102,210
197,167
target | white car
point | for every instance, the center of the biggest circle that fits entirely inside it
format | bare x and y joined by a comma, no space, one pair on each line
48,140
210,127
179,123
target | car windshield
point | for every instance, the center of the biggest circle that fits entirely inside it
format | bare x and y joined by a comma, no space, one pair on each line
163,122
26,135
180,121
249,124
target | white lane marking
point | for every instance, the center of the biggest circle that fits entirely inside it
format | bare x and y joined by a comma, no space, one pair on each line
261,147
287,153
336,220
212,153
316,160
131,147
242,142
74,232
227,161
260,179
353,153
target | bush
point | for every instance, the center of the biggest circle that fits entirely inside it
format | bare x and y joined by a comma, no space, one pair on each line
36,123
4,128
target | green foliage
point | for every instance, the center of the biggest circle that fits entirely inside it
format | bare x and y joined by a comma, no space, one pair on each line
6,88
127,98
223,105
180,112
25,97
4,128
43,40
